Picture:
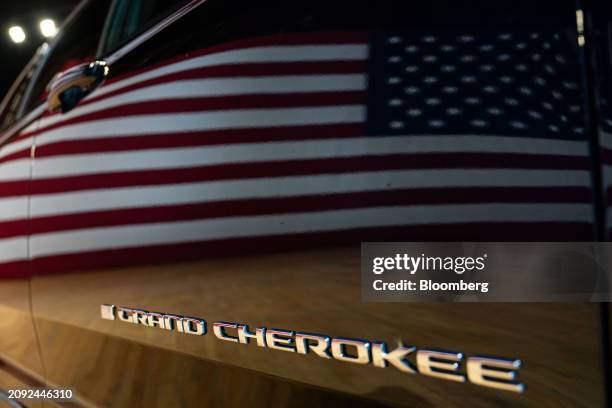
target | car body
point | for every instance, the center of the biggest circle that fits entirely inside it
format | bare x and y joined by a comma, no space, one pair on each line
226,159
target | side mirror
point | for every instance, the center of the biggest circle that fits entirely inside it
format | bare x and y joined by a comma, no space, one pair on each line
67,88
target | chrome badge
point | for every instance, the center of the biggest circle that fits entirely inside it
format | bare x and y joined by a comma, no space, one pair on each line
494,372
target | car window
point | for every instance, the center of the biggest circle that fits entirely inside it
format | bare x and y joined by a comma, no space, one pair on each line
75,44
9,107
129,18
216,21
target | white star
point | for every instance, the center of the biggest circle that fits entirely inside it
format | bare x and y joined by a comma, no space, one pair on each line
414,112
395,59
394,80
411,90
453,111
466,38
518,125
395,102
436,123
396,124
394,40
495,111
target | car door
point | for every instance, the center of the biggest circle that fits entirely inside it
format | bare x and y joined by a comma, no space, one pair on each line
20,360
239,152
21,364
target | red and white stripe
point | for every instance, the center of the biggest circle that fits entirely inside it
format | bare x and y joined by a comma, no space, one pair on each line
259,145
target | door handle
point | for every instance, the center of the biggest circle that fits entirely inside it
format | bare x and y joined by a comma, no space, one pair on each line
67,88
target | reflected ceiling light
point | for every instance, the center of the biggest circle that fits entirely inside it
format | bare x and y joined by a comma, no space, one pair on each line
48,28
17,34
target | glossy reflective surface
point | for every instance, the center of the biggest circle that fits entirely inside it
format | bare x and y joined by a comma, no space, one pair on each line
116,364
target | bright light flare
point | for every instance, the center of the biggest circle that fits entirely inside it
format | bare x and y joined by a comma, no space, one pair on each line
48,28
17,34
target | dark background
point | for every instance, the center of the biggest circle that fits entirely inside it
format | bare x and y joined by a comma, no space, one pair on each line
27,14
